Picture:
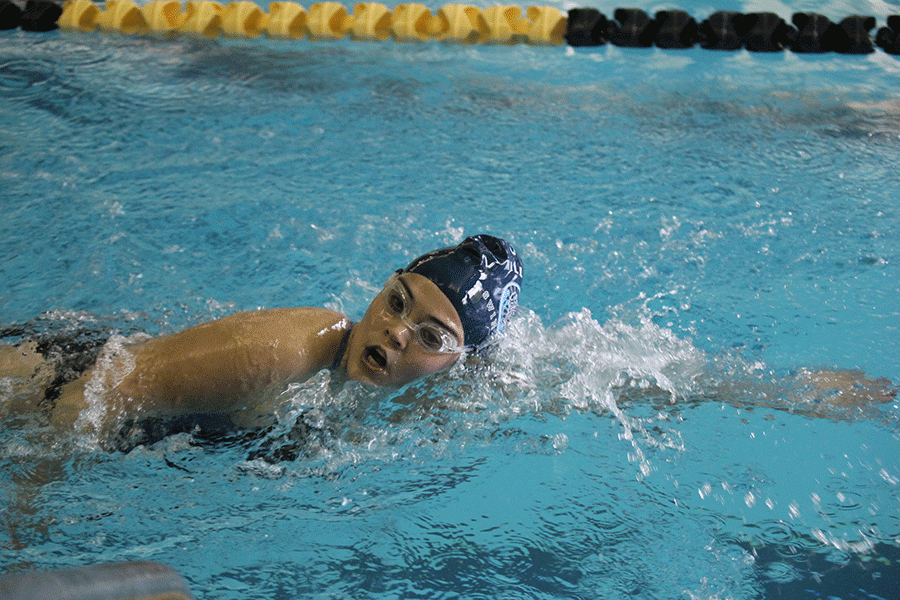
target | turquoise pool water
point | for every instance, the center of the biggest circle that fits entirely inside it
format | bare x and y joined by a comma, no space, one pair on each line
696,227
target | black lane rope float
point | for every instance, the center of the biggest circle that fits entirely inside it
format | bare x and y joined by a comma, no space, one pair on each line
458,23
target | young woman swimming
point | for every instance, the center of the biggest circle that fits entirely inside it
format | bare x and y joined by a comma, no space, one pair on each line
443,304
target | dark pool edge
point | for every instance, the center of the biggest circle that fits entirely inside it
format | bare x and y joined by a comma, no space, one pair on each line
117,581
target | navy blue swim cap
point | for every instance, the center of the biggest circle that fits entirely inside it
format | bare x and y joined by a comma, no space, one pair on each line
481,277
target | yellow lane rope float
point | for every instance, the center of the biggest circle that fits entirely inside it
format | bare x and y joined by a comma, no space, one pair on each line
369,21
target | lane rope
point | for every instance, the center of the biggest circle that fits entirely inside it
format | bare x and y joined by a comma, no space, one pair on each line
463,24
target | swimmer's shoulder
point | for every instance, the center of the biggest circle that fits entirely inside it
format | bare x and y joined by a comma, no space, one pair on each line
304,337
320,335
280,320
317,321
315,333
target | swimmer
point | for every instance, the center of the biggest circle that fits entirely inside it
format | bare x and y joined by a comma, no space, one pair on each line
444,304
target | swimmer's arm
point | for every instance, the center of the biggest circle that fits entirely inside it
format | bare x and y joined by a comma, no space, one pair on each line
232,363
813,392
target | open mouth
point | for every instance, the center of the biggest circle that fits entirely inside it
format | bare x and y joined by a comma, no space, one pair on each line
375,356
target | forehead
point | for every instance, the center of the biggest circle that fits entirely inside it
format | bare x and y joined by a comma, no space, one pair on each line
430,302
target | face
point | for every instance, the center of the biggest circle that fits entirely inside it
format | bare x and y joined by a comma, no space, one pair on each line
410,330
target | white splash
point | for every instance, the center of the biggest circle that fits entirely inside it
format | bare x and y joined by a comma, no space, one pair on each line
113,365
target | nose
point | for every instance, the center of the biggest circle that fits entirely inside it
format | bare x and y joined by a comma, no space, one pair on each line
398,332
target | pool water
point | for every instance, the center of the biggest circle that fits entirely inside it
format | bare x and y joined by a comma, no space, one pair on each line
697,228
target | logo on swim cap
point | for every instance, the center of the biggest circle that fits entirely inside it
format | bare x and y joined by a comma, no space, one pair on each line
482,278
509,306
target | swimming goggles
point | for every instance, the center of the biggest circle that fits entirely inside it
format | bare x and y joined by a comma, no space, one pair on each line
432,337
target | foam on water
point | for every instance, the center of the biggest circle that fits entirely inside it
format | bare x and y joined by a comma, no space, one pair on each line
114,363
575,365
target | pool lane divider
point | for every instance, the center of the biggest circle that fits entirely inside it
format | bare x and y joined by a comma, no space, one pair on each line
463,24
